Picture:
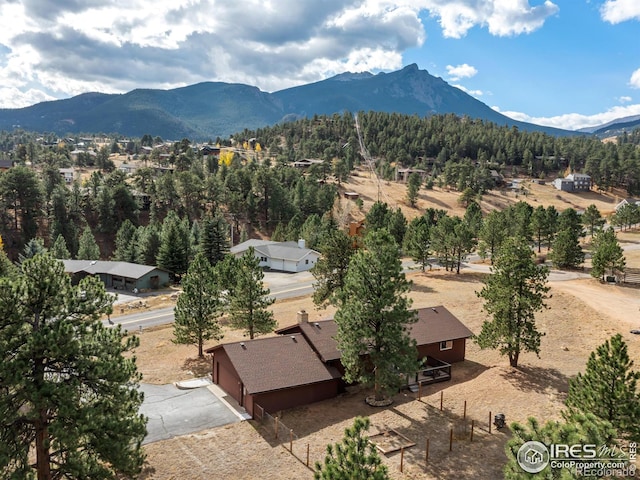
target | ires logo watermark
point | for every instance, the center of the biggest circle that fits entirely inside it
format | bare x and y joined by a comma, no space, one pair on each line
581,459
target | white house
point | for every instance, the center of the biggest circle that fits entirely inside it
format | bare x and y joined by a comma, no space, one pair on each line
627,201
282,256
67,174
574,182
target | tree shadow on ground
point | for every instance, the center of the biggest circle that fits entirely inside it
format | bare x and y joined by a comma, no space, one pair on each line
199,367
538,379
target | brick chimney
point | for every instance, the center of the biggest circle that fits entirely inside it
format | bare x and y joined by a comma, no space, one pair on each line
303,316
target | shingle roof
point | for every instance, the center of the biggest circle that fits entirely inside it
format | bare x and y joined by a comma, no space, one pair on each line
122,269
275,250
276,363
434,325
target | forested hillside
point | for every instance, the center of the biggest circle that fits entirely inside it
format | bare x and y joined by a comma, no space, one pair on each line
177,199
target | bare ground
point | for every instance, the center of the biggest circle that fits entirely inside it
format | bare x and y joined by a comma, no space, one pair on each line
582,314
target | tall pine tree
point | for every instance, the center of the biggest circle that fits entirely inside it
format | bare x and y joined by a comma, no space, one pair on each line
373,318
199,306
249,299
69,404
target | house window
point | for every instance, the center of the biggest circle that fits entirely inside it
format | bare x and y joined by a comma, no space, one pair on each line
446,345
263,259
306,262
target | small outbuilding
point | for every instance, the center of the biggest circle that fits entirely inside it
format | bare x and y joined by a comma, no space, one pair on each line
119,275
283,256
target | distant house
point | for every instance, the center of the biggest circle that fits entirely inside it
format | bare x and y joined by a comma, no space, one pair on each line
5,165
351,195
128,168
67,174
574,182
302,364
306,163
210,150
118,275
282,256
402,174
627,201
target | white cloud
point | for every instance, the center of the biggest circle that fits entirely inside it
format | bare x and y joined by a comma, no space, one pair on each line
475,93
616,11
625,99
502,17
634,81
575,121
460,71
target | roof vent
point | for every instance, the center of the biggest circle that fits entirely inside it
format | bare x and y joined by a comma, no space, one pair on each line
434,309
293,337
317,325
243,345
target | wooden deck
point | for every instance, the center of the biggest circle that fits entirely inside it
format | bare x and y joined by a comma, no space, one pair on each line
435,371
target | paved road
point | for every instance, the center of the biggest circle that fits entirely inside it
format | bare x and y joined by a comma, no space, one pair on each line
173,412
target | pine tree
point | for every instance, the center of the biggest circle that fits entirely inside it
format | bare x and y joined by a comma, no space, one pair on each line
418,241
148,245
413,187
214,239
608,388
373,316
173,253
567,252
126,243
493,233
59,249
592,219
355,458
199,306
88,248
330,270
69,403
249,299
575,430
31,249
513,293
607,254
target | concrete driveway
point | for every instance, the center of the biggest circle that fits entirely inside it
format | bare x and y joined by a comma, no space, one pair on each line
173,412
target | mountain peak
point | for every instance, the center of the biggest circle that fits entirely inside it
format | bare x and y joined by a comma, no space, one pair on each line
349,76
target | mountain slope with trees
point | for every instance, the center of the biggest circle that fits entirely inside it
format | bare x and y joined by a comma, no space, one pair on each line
216,109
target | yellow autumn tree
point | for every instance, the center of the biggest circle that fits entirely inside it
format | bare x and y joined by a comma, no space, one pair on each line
226,156
258,147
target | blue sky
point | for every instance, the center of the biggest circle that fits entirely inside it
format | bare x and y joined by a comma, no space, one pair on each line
564,63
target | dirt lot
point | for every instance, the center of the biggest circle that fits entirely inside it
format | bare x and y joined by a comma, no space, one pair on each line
582,314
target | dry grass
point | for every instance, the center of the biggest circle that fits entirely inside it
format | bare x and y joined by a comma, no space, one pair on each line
582,314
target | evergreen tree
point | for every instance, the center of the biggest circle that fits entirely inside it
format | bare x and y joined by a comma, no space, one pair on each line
397,226
70,400
88,248
59,249
214,238
576,430
607,254
355,458
413,187
330,270
126,243
513,293
378,216
418,241
493,233
173,253
592,219
148,245
199,306
373,317
567,252
248,301
473,218
539,225
33,247
608,388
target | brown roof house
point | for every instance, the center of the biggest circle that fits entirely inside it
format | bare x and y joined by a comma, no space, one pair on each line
275,373
302,364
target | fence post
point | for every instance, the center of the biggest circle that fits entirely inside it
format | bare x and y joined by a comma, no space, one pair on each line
489,421
291,440
451,439
401,458
307,454
464,414
426,453
472,425
419,390
441,398
276,426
